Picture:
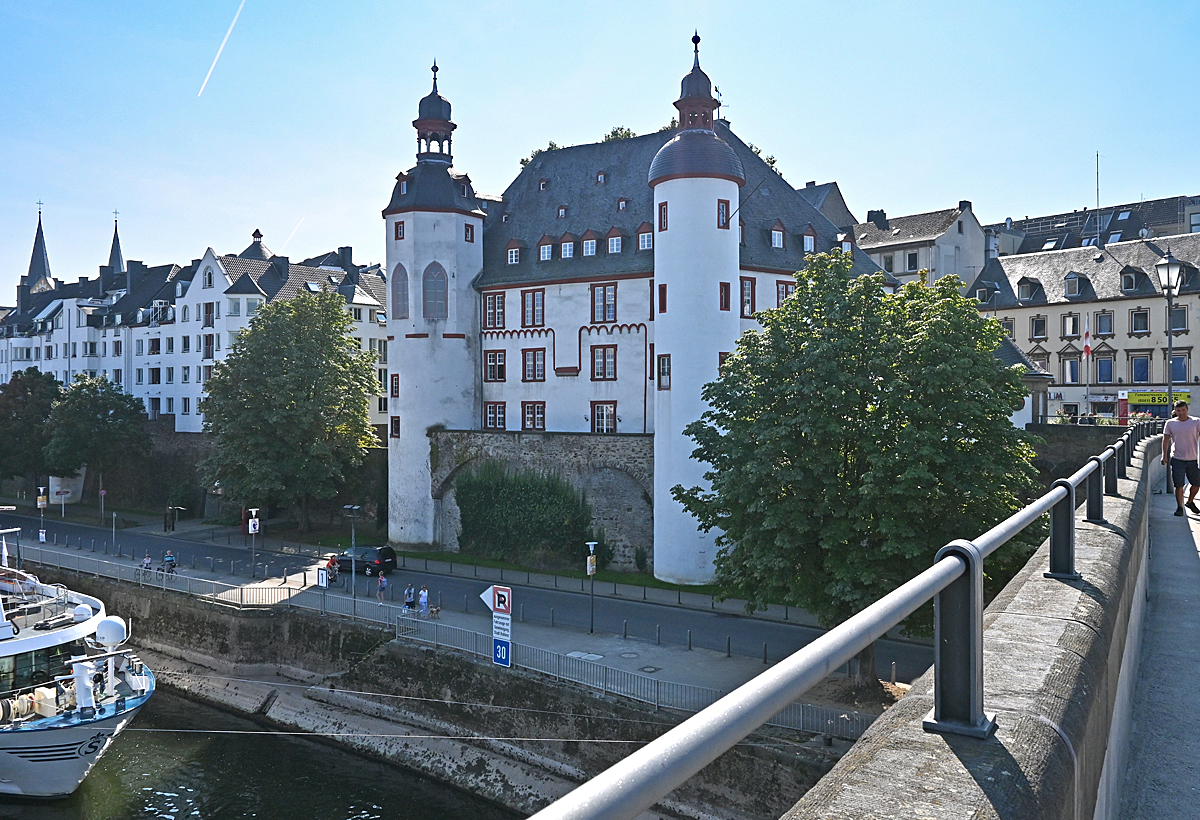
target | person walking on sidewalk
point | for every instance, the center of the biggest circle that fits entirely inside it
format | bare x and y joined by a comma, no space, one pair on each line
424,599
1181,435
410,597
383,584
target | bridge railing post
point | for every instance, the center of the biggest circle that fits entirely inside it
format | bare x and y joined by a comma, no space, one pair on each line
1062,535
1110,471
1095,490
1122,458
958,650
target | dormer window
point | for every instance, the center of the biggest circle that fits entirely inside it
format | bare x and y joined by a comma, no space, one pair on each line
621,203
503,217
600,177
1074,288
810,240
645,241
1025,291
589,247
568,250
545,252
464,190
1128,282
562,211
514,256
776,239
614,244
982,294
403,187
543,184
847,246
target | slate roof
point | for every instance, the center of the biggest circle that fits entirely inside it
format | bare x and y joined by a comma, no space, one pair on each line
1070,230
570,181
1100,271
39,261
901,229
1009,354
827,198
433,185
256,249
116,261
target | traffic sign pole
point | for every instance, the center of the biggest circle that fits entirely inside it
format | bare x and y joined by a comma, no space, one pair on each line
499,601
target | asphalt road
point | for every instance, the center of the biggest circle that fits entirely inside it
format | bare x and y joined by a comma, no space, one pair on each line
642,620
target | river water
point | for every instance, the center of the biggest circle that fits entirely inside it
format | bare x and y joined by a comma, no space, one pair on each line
212,773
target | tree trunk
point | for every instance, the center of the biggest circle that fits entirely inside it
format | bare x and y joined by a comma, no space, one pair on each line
862,669
303,523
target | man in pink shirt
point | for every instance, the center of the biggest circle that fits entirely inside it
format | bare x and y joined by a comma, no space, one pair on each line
1181,437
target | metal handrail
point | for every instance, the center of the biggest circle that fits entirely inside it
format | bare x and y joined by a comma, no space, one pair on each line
955,582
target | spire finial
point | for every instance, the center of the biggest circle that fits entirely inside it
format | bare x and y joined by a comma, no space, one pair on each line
696,47
39,204
115,212
434,69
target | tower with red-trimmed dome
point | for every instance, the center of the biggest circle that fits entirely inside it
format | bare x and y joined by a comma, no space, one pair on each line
696,178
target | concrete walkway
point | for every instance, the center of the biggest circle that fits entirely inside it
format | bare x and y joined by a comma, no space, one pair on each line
1163,777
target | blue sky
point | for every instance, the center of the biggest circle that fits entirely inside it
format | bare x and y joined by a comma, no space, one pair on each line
910,106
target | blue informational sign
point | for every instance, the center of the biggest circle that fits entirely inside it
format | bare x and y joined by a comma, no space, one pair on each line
501,652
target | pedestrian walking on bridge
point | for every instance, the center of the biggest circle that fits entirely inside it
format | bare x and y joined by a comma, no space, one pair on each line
1181,437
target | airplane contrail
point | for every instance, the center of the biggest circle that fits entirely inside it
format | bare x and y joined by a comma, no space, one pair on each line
293,233
222,48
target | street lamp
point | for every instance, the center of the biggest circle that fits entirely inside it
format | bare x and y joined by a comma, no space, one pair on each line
591,570
352,514
1168,269
252,525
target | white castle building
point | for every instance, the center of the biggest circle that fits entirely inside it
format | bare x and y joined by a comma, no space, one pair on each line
596,296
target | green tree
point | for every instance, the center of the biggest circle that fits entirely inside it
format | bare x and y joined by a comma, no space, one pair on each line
96,424
25,405
619,132
288,408
551,146
769,160
853,436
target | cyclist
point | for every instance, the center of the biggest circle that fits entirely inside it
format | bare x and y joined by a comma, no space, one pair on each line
146,563
169,562
332,566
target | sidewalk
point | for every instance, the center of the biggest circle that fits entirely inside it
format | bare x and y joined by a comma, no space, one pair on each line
1162,779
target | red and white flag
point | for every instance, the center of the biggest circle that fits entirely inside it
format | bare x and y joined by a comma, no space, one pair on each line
1087,338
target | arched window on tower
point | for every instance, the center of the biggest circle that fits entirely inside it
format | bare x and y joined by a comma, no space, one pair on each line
399,306
434,292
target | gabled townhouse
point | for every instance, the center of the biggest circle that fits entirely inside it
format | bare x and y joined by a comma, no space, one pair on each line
949,242
158,330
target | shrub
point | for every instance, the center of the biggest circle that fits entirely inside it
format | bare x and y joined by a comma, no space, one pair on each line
640,558
527,517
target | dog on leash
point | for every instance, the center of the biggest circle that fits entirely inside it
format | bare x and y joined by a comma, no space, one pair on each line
435,612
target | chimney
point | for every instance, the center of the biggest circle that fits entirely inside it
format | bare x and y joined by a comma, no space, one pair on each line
345,255
22,297
964,204
879,218
133,274
812,183
279,265
991,249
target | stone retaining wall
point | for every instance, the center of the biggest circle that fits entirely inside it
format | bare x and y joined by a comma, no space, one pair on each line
615,471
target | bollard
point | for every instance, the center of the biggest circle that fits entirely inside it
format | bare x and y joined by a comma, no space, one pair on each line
764,651
678,596
893,673
624,630
466,603
713,602
728,647
439,599
689,640
522,613
551,616
94,546
233,567
212,564
56,539
131,555
658,634
785,612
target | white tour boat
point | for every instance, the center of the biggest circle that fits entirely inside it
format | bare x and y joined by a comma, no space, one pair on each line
67,687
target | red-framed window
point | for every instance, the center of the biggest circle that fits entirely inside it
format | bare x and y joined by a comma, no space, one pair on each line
533,415
662,298
662,216
400,229
533,308
493,368
664,371
723,214
748,298
604,417
604,363
723,298
493,313
784,289
534,361
604,302
493,415
395,427
395,391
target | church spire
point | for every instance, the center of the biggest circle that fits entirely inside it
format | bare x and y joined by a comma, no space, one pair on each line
116,260
39,262
696,103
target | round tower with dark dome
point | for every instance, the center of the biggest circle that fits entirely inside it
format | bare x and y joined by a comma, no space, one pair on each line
434,248
696,179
